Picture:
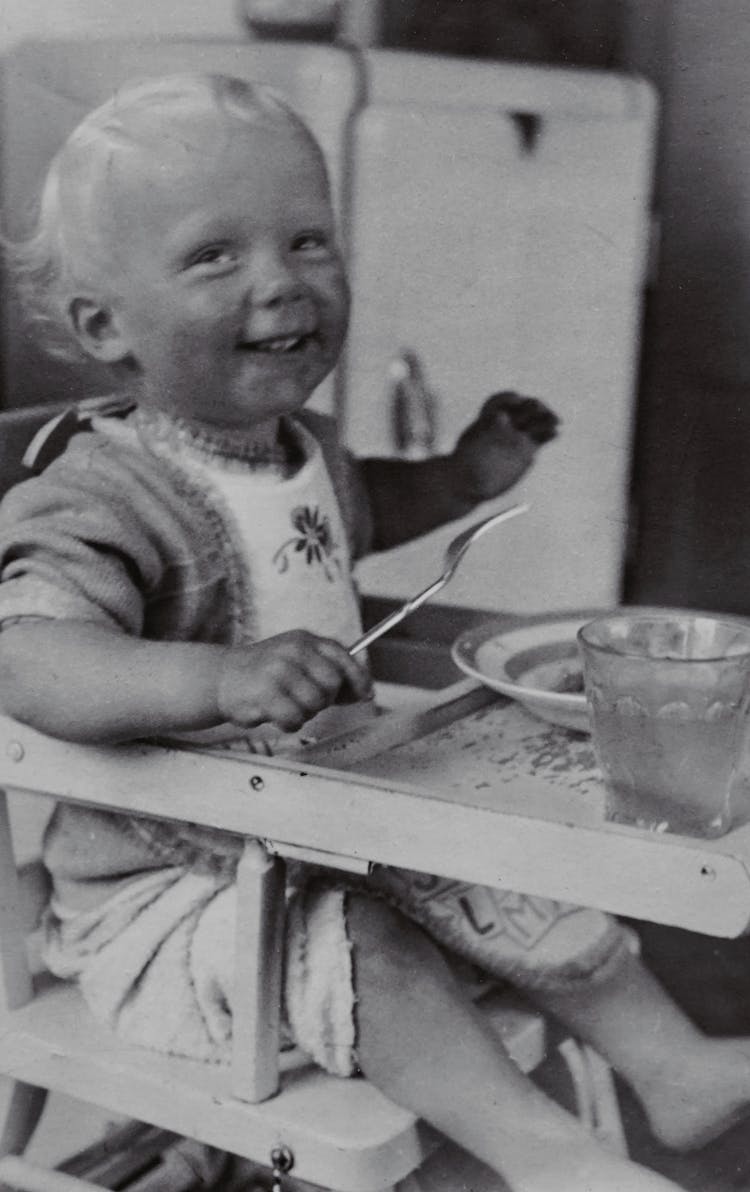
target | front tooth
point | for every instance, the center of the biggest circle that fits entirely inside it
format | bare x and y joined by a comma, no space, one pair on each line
280,345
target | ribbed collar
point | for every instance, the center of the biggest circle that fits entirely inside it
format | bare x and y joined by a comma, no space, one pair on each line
163,431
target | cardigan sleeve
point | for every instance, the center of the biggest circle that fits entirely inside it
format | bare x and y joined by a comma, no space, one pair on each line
77,542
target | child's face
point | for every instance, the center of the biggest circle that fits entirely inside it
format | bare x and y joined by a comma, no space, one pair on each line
229,293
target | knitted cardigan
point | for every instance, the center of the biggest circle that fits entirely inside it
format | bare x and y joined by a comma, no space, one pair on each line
117,532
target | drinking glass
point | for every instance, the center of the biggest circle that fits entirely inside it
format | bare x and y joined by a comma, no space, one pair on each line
669,698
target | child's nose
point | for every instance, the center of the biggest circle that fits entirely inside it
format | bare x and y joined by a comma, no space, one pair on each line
274,282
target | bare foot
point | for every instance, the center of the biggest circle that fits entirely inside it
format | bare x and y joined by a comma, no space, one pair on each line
696,1097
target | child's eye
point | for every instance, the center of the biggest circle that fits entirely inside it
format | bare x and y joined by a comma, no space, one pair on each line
211,255
316,241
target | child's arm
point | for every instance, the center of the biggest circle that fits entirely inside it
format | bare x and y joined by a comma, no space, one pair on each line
85,682
408,498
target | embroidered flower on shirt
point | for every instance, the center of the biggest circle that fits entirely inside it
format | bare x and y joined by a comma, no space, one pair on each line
313,537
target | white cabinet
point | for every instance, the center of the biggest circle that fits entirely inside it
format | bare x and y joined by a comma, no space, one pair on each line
506,261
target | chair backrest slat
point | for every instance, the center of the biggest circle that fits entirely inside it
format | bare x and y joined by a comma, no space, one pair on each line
17,429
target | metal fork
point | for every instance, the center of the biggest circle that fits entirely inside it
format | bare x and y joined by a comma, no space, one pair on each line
454,553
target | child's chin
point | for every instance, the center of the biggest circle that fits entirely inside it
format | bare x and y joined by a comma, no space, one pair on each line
286,394
253,409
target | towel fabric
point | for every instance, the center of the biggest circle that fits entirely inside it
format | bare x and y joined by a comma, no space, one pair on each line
156,962
174,930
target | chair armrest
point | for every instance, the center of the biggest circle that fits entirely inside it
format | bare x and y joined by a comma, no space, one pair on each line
164,782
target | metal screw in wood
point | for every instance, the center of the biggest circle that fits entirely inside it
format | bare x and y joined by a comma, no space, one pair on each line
282,1162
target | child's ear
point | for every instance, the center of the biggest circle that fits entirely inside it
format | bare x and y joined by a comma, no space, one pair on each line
97,329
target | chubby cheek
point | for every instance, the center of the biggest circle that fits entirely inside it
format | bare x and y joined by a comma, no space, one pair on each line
182,363
202,332
162,326
206,312
341,296
335,312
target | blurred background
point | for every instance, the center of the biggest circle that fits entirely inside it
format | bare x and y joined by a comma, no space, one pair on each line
687,538
691,487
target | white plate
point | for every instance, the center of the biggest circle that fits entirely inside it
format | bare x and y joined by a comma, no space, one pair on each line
533,665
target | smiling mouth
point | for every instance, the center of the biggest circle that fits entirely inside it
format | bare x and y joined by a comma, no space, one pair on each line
279,345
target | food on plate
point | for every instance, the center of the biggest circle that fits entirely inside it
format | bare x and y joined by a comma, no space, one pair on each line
565,676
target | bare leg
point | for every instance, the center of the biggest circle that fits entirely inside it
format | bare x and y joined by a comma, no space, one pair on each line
424,1044
691,1086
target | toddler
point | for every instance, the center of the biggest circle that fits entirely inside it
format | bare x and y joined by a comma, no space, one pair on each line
181,565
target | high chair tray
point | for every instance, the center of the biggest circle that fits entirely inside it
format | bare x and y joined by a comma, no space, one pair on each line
459,782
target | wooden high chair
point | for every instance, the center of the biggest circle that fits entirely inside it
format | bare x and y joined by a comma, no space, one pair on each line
341,1134
268,1106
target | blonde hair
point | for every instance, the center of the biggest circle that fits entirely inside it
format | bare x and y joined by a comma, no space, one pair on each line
60,252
